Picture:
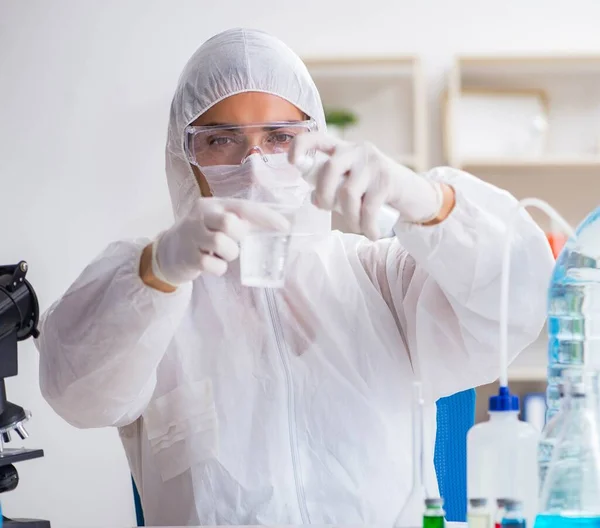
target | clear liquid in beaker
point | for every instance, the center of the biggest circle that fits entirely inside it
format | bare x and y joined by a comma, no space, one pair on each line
263,259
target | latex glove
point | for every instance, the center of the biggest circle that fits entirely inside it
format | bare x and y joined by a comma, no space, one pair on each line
208,237
358,179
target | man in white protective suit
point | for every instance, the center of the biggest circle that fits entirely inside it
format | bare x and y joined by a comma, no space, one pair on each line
240,405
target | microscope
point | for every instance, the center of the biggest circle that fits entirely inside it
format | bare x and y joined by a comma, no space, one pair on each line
19,315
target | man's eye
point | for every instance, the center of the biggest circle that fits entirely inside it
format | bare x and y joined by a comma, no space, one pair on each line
281,137
219,141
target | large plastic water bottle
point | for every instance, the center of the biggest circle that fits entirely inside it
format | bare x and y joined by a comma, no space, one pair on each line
574,308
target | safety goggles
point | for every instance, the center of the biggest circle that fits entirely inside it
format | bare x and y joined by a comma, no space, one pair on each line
206,146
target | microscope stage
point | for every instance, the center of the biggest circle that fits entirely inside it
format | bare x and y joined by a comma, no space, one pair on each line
12,456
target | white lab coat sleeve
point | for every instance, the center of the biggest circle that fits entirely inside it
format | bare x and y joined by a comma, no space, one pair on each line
100,344
444,281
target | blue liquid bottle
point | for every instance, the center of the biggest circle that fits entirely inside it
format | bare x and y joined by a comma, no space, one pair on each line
552,521
574,308
513,514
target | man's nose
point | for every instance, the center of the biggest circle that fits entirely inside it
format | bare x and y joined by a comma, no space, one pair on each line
253,150
253,143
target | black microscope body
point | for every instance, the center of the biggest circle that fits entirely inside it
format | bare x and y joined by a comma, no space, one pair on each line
19,315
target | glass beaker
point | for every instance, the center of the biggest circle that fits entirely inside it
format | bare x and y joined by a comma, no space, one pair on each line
264,253
411,514
571,492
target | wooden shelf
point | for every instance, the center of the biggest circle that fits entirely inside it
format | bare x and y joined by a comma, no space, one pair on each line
527,374
364,60
549,163
358,73
362,67
567,87
387,94
532,363
553,64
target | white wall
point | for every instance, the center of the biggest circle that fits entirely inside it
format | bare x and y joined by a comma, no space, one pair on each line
84,95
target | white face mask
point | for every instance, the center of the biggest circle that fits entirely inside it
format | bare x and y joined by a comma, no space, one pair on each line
259,178
269,179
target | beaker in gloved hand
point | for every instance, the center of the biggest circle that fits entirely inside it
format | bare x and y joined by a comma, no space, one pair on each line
571,493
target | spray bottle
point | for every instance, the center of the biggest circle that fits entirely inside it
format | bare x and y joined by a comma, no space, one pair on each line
502,452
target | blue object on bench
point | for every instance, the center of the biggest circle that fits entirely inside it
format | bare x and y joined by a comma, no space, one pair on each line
455,416
139,513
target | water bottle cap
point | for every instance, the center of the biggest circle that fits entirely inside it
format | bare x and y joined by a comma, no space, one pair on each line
434,502
478,503
504,401
512,504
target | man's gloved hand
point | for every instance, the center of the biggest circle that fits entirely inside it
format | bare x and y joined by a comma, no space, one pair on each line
358,179
208,237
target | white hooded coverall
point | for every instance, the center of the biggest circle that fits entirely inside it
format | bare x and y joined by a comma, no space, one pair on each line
248,406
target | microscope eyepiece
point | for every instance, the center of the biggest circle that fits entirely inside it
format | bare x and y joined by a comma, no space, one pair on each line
19,309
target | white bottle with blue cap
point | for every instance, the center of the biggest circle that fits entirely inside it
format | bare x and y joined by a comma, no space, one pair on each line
502,456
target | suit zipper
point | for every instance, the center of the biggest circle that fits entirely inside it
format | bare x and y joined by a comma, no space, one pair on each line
291,407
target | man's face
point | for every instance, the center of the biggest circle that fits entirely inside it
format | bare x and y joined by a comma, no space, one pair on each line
246,109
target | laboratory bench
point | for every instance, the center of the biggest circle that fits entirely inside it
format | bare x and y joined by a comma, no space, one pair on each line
448,525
